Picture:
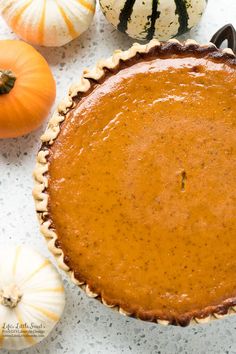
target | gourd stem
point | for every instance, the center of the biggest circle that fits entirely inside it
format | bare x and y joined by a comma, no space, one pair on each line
10,296
7,81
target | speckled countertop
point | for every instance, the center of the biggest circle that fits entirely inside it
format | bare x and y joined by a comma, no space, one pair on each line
87,326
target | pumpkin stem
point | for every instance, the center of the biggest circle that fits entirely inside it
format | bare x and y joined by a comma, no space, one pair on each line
10,296
7,81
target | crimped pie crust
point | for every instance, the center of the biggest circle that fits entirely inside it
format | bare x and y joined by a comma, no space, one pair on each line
41,182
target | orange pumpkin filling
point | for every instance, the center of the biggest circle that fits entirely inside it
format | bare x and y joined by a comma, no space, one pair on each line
142,186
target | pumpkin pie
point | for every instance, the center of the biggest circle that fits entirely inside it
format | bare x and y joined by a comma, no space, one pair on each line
136,182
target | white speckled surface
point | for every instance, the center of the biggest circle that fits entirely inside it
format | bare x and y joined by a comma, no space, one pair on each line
87,326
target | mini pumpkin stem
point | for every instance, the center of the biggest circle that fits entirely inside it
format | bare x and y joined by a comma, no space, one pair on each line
10,296
7,81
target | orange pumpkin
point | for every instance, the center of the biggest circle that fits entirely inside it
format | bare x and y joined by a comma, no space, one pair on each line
27,88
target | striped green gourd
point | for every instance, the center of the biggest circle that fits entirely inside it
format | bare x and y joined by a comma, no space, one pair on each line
147,19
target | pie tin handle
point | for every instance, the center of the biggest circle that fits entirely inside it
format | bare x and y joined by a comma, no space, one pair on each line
228,33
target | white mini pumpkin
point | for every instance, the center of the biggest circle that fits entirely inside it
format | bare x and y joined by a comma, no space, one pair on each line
147,19
32,297
48,22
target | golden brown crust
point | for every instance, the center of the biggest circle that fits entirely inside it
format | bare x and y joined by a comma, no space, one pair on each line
90,78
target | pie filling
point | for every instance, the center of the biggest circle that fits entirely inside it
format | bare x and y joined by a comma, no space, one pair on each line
142,186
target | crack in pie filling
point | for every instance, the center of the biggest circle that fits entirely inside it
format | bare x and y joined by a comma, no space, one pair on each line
142,184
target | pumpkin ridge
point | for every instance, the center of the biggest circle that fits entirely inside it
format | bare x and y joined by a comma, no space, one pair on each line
37,270
125,15
86,5
49,314
16,260
181,11
39,290
7,8
18,14
41,24
1,337
152,18
24,331
68,23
